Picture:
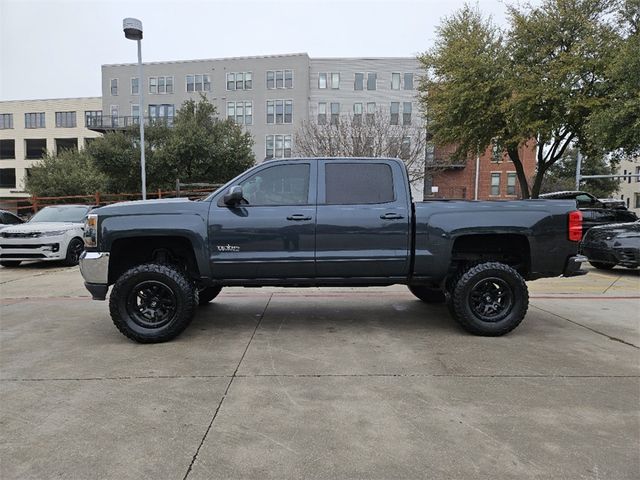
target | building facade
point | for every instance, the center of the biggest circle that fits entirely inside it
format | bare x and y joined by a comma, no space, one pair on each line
629,189
270,95
30,128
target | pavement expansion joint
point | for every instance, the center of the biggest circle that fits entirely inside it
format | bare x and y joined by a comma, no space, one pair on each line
226,391
614,339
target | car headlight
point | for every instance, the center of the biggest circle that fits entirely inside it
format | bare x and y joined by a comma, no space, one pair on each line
54,233
90,234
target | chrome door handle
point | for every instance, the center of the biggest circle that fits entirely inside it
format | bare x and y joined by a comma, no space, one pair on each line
296,217
391,216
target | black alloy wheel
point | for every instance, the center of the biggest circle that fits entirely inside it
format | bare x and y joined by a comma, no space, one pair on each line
74,250
151,304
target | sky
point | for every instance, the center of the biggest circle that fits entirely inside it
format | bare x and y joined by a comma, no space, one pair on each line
54,48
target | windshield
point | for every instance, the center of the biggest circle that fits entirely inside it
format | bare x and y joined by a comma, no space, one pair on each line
73,214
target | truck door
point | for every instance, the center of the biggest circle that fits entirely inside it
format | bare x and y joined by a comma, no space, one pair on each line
363,219
272,235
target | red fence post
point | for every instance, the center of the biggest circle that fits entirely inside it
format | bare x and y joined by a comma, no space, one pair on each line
97,198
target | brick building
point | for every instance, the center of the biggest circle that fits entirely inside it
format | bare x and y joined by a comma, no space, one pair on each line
497,178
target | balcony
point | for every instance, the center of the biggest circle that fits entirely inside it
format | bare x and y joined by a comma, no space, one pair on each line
108,123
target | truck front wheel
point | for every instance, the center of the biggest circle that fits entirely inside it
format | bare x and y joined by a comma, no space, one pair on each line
490,299
153,303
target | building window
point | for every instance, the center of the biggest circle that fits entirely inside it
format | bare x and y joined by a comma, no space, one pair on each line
322,80
239,81
495,184
408,81
511,183
7,149
407,108
335,81
395,81
135,114
162,113
279,111
198,83
372,79
278,146
114,87
638,173
322,113
7,178
279,79
161,85
34,120
395,113
135,86
92,118
240,112
65,119
371,111
335,113
66,144
358,82
153,85
6,120
636,201
357,112
496,152
35,148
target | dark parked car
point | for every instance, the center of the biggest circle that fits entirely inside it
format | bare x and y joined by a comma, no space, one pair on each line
8,218
611,245
594,211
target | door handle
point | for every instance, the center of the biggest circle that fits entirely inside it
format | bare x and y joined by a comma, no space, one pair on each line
391,216
296,217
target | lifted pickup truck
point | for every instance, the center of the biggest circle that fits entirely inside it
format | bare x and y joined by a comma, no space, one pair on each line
324,222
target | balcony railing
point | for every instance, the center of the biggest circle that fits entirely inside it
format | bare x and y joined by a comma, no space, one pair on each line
112,122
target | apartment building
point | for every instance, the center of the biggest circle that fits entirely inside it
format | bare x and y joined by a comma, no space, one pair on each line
30,128
629,189
269,95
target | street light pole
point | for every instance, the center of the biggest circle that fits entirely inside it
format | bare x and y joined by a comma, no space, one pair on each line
133,31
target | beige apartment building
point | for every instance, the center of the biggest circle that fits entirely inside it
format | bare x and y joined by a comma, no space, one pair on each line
30,128
629,189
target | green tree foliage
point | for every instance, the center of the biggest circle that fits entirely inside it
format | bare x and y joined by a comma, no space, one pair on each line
543,78
562,175
68,173
197,148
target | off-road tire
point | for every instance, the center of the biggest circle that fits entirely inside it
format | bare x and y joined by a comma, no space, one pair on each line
207,294
10,263
74,249
171,281
602,266
467,299
428,294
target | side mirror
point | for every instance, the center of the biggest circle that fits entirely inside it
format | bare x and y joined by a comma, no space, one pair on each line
234,196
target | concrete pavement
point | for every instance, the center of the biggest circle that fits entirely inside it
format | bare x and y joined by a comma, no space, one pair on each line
320,383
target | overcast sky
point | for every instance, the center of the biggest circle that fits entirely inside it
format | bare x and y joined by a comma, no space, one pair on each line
54,48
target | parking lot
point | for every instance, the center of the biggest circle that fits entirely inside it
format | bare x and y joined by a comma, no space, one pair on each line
321,383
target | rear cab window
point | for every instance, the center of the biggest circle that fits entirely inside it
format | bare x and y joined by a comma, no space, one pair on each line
358,183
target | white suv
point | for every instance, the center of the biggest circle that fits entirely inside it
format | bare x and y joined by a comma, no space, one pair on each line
54,233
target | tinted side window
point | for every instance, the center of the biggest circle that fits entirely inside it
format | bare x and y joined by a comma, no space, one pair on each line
358,183
278,185
8,219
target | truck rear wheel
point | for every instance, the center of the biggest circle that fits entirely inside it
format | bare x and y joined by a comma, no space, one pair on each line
153,302
428,294
207,294
490,299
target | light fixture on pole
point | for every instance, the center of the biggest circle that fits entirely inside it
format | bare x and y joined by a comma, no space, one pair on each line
133,31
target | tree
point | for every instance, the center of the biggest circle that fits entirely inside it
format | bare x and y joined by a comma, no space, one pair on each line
541,79
373,136
71,172
562,175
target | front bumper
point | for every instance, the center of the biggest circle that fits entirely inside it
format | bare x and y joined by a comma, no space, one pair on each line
94,267
572,267
28,249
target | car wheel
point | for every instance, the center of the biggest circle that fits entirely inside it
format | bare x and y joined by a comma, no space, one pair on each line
602,266
153,302
207,294
490,299
10,263
75,248
428,294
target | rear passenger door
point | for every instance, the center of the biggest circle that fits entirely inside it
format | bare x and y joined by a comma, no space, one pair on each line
363,219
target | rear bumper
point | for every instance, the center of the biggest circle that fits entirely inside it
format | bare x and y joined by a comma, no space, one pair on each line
572,267
94,267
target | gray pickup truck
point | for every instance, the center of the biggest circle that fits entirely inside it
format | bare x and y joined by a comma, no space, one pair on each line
324,222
